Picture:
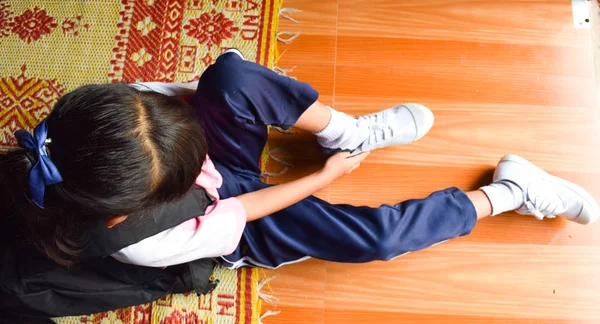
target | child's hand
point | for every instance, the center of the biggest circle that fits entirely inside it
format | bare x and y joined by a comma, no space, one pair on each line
266,201
341,164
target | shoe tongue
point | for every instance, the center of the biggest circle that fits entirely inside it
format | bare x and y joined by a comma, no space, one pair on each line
363,129
401,122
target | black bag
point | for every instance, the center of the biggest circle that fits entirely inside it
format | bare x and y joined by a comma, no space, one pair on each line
34,288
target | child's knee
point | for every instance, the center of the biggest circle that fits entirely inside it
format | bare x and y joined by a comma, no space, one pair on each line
226,74
228,65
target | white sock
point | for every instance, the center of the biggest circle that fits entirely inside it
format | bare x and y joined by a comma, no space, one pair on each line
504,196
342,132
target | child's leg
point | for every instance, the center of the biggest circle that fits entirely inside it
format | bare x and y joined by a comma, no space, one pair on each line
345,233
236,99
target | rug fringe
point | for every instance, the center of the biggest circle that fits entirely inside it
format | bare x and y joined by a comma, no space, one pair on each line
286,165
284,71
267,314
284,12
269,299
284,131
285,37
287,40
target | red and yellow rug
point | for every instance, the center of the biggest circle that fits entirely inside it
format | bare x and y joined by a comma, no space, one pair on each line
50,47
235,300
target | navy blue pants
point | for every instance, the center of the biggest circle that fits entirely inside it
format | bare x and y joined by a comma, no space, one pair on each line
236,100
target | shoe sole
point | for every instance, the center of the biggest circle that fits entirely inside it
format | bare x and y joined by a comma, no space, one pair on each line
587,198
330,152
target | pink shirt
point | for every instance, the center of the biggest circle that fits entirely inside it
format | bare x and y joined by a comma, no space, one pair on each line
216,233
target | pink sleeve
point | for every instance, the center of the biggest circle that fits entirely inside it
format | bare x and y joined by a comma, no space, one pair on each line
216,233
210,179
222,211
228,206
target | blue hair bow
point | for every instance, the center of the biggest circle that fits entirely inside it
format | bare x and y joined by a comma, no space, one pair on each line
43,172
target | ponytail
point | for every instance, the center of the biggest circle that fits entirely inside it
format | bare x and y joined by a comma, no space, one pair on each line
14,166
49,229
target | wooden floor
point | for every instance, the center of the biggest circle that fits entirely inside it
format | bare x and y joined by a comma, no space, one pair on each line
501,77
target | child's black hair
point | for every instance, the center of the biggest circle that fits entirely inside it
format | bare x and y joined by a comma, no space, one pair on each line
120,152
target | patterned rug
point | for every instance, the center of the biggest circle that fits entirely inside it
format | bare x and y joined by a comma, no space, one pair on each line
235,300
50,47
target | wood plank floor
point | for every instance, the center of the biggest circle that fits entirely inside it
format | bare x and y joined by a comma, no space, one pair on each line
509,76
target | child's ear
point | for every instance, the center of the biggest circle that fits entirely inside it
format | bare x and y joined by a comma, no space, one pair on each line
114,220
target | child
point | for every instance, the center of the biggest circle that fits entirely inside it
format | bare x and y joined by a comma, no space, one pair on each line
111,153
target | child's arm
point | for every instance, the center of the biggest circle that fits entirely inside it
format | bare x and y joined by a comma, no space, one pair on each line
264,202
218,232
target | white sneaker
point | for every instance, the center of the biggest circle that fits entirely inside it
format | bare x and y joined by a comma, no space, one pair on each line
545,195
402,124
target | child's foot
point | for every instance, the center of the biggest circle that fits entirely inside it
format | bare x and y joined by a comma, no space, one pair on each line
398,125
532,191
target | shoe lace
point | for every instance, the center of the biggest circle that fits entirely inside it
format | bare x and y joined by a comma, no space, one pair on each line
544,203
377,128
